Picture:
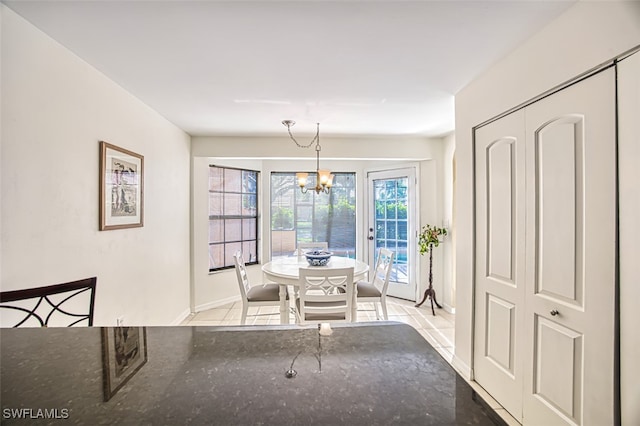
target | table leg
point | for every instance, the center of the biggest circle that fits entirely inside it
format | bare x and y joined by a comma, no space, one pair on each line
284,312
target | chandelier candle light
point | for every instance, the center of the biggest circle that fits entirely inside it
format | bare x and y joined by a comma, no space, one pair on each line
324,178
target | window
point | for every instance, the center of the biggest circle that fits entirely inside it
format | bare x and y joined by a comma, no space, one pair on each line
233,216
298,217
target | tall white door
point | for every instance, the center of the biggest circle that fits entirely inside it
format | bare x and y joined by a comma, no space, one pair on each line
500,265
545,257
392,224
571,216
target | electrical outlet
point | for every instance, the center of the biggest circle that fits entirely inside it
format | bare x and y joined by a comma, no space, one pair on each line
120,321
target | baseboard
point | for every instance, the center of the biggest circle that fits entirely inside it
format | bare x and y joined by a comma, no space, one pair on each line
463,369
216,303
181,317
449,308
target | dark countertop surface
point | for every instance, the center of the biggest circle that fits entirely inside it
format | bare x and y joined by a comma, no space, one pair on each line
381,373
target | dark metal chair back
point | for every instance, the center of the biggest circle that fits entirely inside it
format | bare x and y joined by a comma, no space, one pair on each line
57,305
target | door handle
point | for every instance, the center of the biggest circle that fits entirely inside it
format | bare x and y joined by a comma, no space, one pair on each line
370,238
554,312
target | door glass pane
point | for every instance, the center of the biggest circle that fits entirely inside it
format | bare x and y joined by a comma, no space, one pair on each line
400,272
391,204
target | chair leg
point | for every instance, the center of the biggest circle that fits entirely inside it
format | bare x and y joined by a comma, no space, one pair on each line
245,309
383,303
298,316
375,308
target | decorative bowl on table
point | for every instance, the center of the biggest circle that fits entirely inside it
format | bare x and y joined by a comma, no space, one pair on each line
318,257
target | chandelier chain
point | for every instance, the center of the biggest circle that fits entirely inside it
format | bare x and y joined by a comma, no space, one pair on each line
298,143
324,178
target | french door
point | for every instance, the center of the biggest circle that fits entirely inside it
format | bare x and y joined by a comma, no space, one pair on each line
392,224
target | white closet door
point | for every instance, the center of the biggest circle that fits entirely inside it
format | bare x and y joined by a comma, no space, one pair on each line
500,279
570,261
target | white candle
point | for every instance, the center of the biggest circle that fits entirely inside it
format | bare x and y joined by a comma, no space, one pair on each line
325,329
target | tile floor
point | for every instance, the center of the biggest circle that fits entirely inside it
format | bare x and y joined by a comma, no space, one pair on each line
438,330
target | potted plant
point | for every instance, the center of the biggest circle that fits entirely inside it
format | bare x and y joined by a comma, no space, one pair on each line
428,239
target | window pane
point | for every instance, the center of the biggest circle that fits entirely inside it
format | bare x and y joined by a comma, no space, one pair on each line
215,204
249,182
233,229
216,231
281,218
249,229
310,217
232,180
232,204
229,250
215,178
283,242
249,205
248,251
216,256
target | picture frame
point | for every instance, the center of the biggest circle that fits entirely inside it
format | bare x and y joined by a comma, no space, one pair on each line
121,188
124,352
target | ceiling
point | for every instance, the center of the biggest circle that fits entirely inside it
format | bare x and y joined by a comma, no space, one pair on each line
241,67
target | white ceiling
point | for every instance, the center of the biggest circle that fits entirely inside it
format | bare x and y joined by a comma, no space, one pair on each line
241,67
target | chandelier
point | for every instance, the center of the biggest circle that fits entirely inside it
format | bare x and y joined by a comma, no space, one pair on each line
324,178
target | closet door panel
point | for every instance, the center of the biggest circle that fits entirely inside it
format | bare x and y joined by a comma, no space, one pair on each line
570,278
499,158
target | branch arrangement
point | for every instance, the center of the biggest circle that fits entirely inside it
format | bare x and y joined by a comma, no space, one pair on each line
430,236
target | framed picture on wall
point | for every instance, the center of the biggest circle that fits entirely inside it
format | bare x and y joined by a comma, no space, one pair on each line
124,352
121,188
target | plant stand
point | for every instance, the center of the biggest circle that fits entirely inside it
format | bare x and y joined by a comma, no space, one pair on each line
430,292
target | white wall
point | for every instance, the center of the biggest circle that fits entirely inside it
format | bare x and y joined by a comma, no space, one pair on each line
55,110
585,36
280,154
448,254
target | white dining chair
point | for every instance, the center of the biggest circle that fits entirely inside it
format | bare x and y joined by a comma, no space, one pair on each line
319,299
304,247
375,290
258,295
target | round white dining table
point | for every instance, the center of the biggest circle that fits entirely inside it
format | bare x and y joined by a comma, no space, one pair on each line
285,271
